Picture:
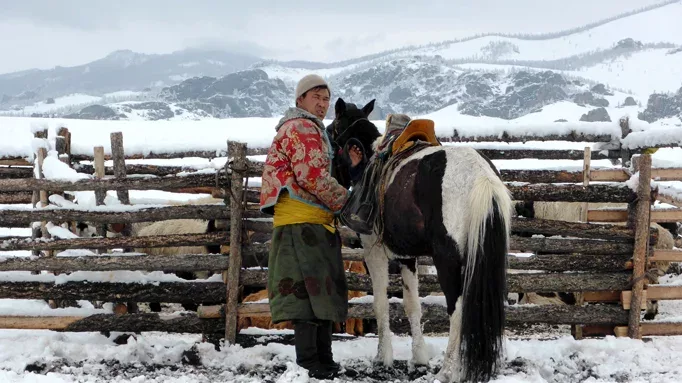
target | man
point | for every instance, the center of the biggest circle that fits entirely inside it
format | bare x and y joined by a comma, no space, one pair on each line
306,279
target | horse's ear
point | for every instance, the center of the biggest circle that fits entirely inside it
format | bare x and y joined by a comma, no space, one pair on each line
367,109
340,107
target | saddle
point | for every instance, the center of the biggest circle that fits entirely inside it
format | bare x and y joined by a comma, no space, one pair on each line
403,137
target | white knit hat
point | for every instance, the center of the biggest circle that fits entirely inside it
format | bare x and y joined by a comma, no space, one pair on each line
307,83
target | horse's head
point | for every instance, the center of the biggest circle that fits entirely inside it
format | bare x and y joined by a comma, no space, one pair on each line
351,126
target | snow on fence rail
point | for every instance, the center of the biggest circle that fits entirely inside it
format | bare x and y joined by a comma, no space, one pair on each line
204,138
598,257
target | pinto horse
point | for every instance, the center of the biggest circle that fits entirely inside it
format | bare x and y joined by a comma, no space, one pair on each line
449,203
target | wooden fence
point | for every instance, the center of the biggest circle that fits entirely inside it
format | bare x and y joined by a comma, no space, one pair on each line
605,263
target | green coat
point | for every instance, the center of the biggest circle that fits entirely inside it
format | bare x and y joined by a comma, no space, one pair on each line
306,278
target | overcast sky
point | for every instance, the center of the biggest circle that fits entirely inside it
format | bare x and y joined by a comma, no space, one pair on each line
46,33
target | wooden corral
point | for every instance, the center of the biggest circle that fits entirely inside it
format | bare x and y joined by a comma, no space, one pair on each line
604,262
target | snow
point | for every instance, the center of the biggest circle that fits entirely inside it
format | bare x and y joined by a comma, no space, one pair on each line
293,75
158,357
635,72
16,140
72,100
145,137
652,137
36,307
89,357
14,231
666,19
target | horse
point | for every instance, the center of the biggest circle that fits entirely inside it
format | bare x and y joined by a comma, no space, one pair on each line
450,203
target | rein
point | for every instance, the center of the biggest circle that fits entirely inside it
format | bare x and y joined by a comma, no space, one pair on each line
336,137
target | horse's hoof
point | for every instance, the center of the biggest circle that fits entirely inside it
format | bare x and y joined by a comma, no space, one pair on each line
446,376
385,361
420,358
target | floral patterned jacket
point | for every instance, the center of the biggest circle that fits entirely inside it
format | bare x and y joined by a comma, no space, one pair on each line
299,160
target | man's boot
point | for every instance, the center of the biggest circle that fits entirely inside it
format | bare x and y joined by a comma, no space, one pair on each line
324,345
305,342
324,348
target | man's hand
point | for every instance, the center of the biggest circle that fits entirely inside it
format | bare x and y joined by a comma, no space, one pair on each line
355,155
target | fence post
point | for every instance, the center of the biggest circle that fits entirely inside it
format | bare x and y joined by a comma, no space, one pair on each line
625,154
237,151
100,194
63,146
642,224
37,173
580,297
118,157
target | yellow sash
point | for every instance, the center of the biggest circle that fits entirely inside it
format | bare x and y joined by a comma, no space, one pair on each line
290,211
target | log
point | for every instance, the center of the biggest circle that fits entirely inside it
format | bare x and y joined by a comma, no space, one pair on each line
118,157
610,175
435,319
16,217
168,183
100,194
551,314
24,197
14,172
572,136
541,176
166,263
535,282
575,315
545,245
575,229
154,170
542,154
573,246
531,226
642,221
186,323
209,154
198,262
15,161
216,238
571,193
171,292
621,215
566,262
214,292
238,166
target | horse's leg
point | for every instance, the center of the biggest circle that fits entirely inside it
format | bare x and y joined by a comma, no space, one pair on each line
413,309
446,259
377,266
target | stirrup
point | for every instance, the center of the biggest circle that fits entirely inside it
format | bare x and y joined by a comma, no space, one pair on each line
360,219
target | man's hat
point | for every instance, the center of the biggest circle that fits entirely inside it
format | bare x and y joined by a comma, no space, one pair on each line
309,82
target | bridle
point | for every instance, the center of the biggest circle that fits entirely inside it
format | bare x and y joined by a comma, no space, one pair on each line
338,137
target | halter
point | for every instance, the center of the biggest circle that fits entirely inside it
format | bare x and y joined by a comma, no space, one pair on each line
336,137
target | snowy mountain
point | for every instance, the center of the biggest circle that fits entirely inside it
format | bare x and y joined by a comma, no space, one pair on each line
501,76
121,70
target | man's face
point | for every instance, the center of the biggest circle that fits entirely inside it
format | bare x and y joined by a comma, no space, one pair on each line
316,101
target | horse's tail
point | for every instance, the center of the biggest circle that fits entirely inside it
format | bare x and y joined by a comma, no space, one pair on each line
485,274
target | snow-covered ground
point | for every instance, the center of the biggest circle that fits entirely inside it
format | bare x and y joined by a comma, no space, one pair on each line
41,356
